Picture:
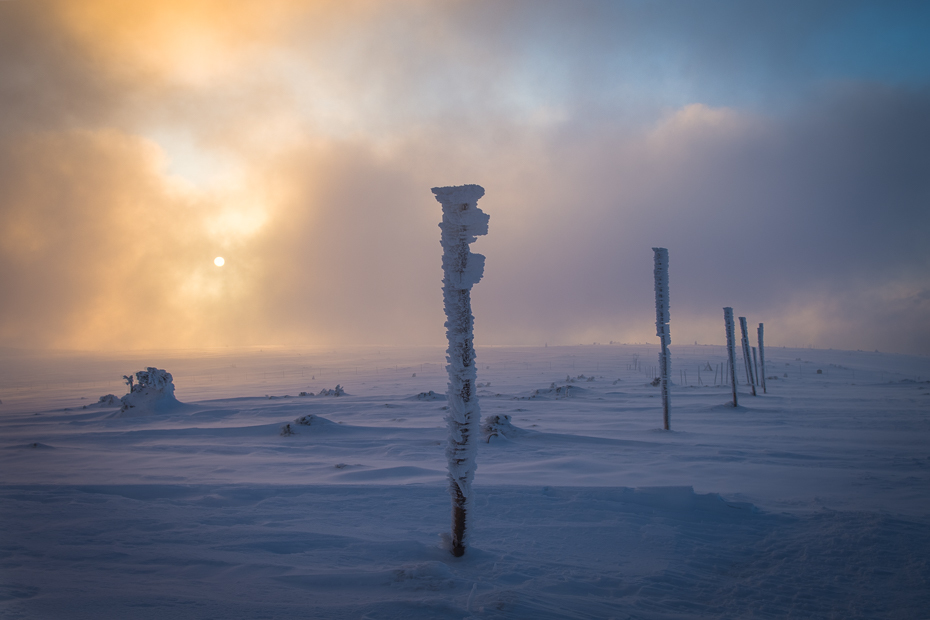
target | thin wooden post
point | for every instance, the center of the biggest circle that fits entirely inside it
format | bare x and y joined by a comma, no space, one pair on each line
662,317
747,360
762,357
731,349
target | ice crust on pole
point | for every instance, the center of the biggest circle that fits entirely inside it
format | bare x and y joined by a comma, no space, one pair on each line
462,223
662,318
747,356
731,348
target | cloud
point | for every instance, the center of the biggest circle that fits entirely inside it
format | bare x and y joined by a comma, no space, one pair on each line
300,141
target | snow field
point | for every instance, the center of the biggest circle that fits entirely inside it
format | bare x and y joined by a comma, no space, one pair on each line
811,501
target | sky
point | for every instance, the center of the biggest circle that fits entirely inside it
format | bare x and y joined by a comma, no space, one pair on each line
779,150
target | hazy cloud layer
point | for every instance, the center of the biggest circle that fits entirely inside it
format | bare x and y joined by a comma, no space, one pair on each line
140,140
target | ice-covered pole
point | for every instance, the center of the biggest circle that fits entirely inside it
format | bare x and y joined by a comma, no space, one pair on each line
761,359
747,359
662,318
731,348
462,222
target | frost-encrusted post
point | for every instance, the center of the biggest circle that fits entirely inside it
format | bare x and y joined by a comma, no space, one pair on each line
747,359
761,359
662,318
731,348
462,222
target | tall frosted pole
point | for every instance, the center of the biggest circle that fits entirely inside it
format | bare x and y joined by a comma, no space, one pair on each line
731,348
747,356
761,358
662,318
462,222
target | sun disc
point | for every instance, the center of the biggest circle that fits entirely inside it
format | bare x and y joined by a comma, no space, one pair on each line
219,261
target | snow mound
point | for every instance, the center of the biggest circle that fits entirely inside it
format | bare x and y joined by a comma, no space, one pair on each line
314,420
553,391
109,400
499,425
150,392
336,391
431,395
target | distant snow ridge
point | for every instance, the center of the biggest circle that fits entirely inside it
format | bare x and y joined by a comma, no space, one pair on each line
431,395
150,391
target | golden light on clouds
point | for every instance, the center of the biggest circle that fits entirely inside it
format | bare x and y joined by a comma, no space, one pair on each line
301,138
191,42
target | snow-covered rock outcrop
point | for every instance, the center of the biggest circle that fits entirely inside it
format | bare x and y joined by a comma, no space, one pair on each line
499,425
150,391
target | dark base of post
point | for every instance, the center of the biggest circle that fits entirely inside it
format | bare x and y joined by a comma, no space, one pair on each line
458,525
665,382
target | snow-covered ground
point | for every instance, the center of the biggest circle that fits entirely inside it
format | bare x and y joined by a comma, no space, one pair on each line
810,501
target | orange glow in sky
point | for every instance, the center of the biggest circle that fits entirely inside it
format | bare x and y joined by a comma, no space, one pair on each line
300,141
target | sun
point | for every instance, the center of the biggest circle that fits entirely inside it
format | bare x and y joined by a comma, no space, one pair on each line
219,261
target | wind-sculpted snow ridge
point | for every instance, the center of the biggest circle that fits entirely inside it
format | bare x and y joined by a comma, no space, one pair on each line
150,391
317,552
314,420
462,223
